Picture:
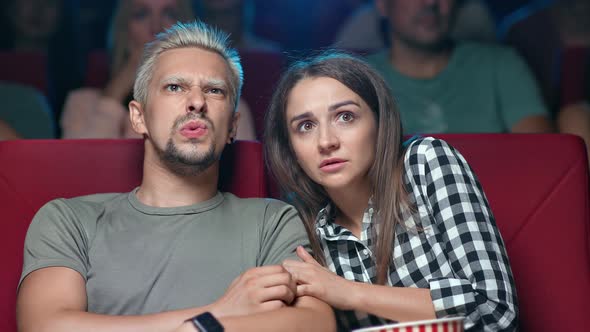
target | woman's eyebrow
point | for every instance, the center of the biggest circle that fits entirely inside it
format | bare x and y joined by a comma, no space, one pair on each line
301,116
342,103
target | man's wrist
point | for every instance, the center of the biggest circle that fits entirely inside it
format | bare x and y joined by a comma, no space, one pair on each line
206,322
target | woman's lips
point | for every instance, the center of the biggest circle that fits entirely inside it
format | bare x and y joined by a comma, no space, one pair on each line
332,165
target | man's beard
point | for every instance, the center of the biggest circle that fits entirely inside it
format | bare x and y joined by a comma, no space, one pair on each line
192,162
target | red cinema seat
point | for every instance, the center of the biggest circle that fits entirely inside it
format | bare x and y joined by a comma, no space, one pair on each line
537,187
33,172
262,70
97,69
26,68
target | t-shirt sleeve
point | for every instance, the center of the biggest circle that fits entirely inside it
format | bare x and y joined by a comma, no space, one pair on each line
481,286
518,92
55,238
282,231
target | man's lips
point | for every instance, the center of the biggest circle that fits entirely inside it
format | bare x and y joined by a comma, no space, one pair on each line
194,129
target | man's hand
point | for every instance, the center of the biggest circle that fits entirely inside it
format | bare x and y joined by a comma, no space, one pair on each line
257,290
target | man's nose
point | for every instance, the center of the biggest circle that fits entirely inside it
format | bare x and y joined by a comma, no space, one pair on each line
196,102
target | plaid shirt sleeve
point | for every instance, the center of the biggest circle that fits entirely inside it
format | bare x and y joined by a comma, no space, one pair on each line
480,286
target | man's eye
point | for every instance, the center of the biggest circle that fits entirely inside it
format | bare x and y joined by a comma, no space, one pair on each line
216,91
173,88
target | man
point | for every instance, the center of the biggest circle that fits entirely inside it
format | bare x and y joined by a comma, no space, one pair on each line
168,251
441,86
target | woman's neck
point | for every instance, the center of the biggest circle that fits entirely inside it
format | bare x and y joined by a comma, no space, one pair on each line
351,204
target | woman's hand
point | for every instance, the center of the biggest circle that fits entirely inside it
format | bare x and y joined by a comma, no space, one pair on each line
317,281
121,83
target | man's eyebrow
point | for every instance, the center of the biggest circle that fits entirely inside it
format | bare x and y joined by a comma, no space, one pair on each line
174,79
342,103
216,82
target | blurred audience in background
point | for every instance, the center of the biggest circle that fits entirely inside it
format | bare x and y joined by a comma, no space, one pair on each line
45,28
236,18
443,84
554,38
366,29
7,132
454,87
24,112
96,113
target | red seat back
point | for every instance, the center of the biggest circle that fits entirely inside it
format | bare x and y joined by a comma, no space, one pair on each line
262,70
26,68
537,186
32,172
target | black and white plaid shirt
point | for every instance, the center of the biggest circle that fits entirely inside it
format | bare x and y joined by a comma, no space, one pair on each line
451,245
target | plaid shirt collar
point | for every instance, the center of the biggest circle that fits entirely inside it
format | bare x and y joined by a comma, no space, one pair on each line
330,231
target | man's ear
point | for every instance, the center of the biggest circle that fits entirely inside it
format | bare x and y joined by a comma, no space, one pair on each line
137,117
233,127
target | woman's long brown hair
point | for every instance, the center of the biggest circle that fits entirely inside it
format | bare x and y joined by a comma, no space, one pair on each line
389,194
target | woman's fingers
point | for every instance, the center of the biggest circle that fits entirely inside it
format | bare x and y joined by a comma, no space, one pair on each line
305,256
300,272
307,290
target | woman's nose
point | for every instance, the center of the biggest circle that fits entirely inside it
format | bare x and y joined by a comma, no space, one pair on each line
327,140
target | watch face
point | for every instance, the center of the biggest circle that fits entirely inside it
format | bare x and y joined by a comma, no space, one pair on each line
206,322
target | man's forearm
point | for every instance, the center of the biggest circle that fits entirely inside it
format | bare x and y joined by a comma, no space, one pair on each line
70,320
308,314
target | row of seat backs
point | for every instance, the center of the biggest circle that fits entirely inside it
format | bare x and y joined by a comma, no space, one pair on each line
537,186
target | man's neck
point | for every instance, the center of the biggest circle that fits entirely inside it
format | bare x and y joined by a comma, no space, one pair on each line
418,63
161,187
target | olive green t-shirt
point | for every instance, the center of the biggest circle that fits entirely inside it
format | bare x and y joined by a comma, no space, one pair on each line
485,88
138,259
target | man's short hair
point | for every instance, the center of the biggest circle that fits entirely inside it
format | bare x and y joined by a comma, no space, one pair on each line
186,35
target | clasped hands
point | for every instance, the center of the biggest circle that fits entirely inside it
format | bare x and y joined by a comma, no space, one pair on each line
268,288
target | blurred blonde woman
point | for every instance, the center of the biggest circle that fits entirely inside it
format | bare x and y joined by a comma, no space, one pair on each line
95,113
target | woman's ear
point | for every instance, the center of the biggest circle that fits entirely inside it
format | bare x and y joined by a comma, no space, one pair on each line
137,117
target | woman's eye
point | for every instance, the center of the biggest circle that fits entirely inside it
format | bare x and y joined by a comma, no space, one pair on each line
171,14
346,116
305,127
139,14
173,88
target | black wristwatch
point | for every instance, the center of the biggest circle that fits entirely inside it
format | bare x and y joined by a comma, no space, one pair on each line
206,322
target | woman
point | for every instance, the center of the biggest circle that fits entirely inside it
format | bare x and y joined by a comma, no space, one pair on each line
92,113
400,231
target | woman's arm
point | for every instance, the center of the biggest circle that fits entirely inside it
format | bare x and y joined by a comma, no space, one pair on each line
89,114
395,303
7,133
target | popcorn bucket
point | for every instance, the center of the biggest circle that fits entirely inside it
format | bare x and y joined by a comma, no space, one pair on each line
450,324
